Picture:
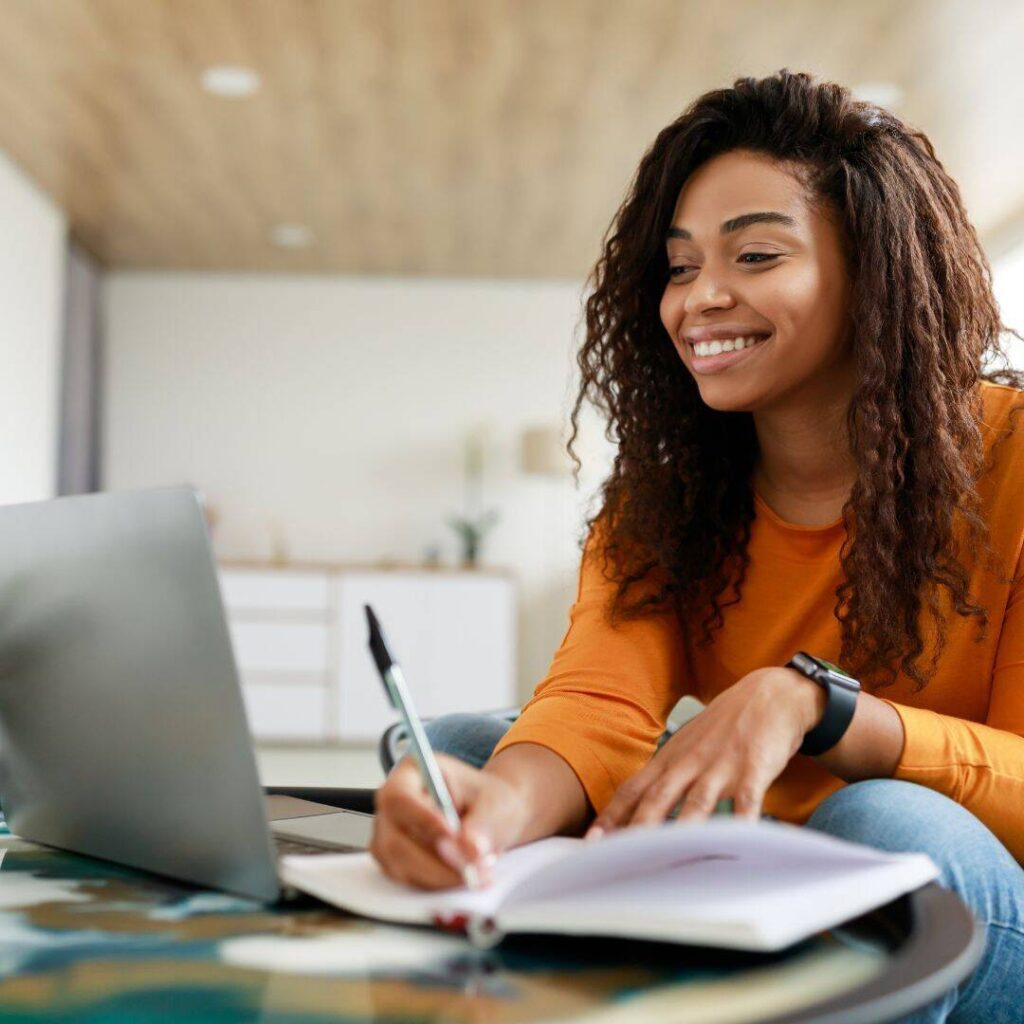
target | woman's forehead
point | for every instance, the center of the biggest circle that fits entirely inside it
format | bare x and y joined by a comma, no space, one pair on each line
737,183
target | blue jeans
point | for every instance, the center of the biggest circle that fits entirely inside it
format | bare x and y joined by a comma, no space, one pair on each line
896,816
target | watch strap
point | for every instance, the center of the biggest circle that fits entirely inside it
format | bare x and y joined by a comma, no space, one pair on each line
841,703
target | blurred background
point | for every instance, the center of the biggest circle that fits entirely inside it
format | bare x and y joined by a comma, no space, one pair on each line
324,260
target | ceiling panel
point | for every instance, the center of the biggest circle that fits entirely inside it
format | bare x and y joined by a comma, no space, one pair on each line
447,137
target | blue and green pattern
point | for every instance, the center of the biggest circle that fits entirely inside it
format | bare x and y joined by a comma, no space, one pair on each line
87,941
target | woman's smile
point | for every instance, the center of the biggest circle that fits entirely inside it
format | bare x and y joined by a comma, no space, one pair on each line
717,361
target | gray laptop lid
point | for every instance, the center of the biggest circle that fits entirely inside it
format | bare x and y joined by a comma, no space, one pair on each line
122,729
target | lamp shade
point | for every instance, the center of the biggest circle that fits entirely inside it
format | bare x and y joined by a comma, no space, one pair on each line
541,452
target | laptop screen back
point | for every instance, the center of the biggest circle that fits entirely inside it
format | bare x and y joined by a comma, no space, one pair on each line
122,729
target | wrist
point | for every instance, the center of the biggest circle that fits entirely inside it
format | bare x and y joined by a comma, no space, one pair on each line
804,695
549,799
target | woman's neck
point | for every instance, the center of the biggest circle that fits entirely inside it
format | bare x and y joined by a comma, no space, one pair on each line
805,468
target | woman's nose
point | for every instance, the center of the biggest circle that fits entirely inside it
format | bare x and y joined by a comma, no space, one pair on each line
707,292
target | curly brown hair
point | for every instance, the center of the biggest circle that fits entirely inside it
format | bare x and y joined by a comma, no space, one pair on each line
927,324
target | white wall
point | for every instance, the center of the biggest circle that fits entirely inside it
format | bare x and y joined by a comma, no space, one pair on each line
1008,285
32,254
327,414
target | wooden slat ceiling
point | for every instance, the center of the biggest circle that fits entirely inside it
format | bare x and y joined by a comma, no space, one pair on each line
447,137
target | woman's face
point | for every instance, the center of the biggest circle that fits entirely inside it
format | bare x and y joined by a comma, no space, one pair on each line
749,257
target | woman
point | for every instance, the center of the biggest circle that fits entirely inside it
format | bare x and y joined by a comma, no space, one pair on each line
788,331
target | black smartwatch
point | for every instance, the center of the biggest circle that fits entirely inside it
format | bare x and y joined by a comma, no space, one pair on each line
842,693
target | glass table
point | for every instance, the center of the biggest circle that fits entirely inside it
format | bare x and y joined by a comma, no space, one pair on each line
85,940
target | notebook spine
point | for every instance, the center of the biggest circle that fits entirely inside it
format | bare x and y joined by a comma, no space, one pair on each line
484,932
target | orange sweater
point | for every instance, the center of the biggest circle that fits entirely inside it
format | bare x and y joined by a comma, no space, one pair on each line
609,690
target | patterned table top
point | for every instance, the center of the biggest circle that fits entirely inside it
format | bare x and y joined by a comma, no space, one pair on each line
84,940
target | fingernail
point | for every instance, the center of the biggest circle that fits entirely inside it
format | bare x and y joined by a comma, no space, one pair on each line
471,876
594,832
450,853
481,844
485,869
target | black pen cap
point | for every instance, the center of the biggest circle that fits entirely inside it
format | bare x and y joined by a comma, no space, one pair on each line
378,648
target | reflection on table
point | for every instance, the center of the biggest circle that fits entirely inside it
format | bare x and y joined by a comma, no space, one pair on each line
86,940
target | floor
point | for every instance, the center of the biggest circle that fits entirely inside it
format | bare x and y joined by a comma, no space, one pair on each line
308,765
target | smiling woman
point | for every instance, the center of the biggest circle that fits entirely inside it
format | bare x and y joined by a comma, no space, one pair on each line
788,332
785,208
786,272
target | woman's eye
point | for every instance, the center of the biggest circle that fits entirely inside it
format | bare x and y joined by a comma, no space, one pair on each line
757,258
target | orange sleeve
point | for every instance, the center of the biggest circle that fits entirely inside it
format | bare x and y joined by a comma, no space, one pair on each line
979,765
609,690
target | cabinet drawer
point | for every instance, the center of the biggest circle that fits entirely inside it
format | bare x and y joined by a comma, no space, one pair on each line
246,590
280,646
286,712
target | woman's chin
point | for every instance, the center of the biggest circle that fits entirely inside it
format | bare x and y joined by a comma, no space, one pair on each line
726,398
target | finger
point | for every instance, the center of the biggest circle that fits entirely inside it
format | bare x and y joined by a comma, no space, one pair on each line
661,796
701,798
422,822
748,796
408,776
403,801
404,860
619,810
462,780
406,780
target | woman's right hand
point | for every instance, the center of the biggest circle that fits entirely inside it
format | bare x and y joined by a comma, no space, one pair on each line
413,843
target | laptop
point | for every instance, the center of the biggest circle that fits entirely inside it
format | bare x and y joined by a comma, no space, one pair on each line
122,729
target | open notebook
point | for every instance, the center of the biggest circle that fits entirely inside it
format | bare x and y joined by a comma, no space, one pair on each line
730,883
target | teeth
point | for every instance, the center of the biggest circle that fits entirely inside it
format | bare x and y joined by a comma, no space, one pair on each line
714,348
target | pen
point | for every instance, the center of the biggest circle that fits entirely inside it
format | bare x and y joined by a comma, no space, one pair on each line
401,701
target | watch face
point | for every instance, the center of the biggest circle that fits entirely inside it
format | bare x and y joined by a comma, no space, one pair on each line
834,668
821,670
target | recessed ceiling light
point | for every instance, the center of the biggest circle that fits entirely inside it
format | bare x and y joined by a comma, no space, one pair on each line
291,236
883,94
230,80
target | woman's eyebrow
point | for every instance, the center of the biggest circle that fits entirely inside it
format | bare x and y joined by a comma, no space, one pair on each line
740,222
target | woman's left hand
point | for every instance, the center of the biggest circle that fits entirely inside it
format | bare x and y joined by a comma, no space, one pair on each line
736,747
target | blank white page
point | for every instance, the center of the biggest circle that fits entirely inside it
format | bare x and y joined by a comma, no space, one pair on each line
354,881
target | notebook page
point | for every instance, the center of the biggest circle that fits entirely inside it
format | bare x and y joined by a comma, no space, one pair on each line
643,853
727,903
355,882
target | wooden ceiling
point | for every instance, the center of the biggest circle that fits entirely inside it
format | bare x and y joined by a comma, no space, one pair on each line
447,137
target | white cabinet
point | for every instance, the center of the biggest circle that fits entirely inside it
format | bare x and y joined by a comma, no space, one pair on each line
287,711
277,591
300,643
451,633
